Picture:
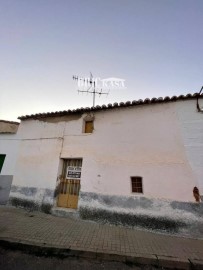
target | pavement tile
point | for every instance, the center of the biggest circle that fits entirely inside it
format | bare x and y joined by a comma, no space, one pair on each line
85,236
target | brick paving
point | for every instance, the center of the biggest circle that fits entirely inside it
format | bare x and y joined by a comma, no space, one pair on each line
39,229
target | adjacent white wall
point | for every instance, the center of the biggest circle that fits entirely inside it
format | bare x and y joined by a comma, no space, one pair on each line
39,152
9,144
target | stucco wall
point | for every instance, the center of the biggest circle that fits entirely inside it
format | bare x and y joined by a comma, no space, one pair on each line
37,163
137,141
191,124
148,141
180,218
5,186
9,144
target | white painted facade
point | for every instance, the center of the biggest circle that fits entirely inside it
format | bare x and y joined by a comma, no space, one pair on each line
191,124
9,144
38,156
162,143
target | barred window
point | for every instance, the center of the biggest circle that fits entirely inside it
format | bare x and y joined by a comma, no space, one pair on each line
136,182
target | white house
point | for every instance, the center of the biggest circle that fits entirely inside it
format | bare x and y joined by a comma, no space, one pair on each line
140,158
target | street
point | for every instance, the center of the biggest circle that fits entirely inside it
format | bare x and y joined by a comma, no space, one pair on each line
17,260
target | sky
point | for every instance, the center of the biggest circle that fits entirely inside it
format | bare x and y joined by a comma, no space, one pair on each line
156,46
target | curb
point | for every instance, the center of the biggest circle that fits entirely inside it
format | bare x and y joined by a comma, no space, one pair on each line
139,259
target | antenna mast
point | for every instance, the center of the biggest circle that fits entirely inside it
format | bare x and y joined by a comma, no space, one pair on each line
91,84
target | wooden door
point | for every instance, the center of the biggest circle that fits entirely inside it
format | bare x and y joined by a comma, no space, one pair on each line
70,183
69,193
73,193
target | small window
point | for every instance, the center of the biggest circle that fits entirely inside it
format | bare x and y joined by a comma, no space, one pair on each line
89,126
137,184
2,158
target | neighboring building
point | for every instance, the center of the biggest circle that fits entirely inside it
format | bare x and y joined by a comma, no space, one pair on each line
8,154
133,162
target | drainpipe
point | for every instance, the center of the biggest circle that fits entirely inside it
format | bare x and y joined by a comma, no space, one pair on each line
198,107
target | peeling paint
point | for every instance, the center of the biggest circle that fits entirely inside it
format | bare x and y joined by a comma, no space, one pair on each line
160,215
32,198
5,186
30,205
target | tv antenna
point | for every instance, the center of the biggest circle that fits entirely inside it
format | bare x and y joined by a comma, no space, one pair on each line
91,85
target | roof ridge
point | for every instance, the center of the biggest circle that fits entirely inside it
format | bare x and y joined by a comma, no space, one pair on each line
9,122
111,106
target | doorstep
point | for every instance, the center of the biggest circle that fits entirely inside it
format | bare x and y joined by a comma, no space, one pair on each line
65,212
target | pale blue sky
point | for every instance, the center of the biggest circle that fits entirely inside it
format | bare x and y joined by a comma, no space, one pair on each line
155,45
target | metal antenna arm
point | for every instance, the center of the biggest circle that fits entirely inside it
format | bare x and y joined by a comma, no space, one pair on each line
91,83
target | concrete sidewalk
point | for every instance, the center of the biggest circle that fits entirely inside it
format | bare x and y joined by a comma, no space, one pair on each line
72,237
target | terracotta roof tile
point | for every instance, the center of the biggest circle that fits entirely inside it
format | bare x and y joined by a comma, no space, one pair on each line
110,106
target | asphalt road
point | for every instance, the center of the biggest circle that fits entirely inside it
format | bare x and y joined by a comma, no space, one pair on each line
17,260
